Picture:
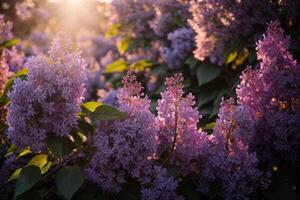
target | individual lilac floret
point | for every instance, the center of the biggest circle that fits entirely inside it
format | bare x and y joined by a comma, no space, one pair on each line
228,160
124,147
48,101
182,45
275,89
177,122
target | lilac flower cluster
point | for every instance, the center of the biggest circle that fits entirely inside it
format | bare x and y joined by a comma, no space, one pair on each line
218,24
228,161
48,101
223,157
134,13
182,45
126,148
5,29
156,185
123,147
6,70
12,59
177,123
168,14
274,89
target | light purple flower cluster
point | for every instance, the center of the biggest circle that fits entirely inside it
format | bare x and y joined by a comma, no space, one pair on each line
156,185
5,29
134,14
12,59
227,161
220,24
124,147
182,46
168,14
177,123
275,90
48,101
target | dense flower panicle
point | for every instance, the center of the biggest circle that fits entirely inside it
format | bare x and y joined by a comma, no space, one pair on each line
250,89
182,46
12,59
177,122
277,89
219,24
48,101
168,14
5,29
156,185
135,12
228,160
124,147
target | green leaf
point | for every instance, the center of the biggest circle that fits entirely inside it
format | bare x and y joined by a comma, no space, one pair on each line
209,126
29,176
24,152
101,111
113,30
207,73
125,44
10,43
141,65
20,74
59,146
90,106
231,57
117,66
11,149
46,167
106,112
84,127
15,175
205,97
38,160
68,180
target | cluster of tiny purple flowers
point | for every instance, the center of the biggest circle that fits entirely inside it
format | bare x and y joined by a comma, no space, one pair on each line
272,93
48,101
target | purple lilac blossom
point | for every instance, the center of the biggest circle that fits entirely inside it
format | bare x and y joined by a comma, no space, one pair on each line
5,29
277,105
228,161
168,14
156,185
136,13
13,59
48,101
123,147
220,24
182,45
177,123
